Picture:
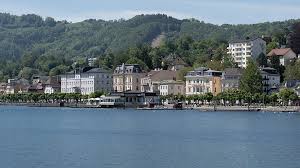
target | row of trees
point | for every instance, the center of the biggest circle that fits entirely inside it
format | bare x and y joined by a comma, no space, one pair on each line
237,97
47,98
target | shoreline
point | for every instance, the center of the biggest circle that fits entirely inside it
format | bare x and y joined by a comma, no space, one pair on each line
200,109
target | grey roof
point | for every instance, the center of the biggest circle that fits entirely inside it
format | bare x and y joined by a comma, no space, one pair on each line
233,71
269,70
128,68
96,70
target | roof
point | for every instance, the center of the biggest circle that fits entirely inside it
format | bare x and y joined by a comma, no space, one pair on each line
96,70
269,71
162,75
244,40
279,52
172,82
128,68
233,71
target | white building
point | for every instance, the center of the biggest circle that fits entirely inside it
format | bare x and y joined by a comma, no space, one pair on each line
86,82
171,87
202,81
241,50
52,89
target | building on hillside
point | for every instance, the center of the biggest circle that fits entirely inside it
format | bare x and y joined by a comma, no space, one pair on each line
3,88
53,85
241,50
91,61
171,87
127,78
231,79
271,80
39,79
36,88
202,80
286,55
294,85
174,62
151,82
17,86
87,81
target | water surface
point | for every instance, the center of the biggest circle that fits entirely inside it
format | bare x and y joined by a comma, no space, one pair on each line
95,138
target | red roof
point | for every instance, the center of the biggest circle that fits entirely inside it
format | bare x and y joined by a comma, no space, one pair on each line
279,52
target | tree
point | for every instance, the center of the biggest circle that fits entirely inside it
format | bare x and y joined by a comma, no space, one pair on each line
262,60
287,95
294,38
49,21
272,45
181,73
292,71
251,80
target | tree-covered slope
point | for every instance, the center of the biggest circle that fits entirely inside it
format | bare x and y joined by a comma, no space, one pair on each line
43,44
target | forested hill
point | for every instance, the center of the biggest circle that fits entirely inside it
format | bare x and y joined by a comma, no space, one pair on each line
47,39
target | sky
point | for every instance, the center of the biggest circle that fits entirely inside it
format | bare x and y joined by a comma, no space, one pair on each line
211,11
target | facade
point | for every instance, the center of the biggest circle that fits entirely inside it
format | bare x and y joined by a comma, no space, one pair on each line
50,89
87,81
241,50
17,86
127,78
231,79
91,61
271,80
203,80
151,82
3,88
286,55
171,87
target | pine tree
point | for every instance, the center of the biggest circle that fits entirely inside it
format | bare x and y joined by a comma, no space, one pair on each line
251,80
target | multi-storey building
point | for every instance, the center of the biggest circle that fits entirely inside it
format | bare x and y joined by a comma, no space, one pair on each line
87,81
271,80
203,80
171,87
127,78
231,78
151,82
242,50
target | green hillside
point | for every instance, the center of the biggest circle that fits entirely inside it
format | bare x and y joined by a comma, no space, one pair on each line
31,44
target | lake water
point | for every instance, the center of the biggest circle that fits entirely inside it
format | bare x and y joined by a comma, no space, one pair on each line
94,138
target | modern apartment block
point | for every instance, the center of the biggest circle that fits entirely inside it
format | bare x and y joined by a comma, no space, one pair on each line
202,80
87,81
241,50
127,78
